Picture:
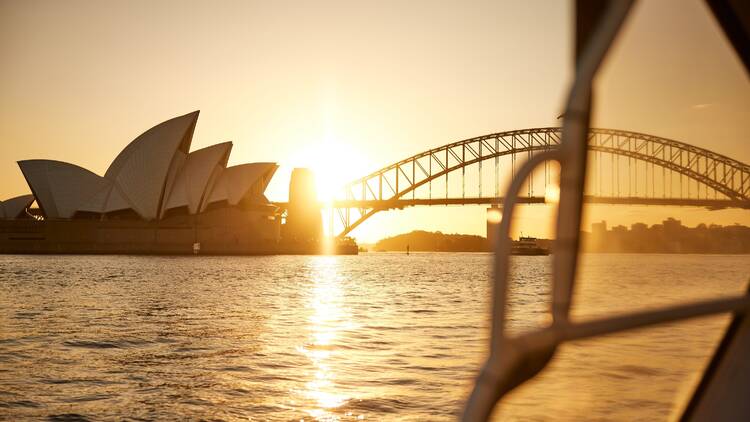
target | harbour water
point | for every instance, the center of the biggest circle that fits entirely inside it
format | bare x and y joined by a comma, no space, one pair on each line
373,337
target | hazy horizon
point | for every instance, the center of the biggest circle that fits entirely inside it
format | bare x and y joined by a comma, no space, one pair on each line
349,88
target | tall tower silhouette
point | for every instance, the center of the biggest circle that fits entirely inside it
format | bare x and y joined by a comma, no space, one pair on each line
304,221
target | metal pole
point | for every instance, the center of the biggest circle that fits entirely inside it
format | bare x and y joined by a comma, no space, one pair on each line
480,168
497,169
446,173
413,176
463,171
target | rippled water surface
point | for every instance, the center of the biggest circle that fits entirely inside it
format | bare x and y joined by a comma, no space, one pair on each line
375,336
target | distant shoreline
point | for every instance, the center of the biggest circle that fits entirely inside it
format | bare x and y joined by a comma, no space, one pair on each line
676,240
403,252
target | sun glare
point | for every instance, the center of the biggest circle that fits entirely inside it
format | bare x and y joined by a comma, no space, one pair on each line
328,318
494,215
552,194
334,163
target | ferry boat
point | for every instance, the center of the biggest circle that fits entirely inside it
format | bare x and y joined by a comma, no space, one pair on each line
527,246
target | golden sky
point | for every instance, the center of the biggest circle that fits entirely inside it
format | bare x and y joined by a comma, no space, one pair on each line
354,86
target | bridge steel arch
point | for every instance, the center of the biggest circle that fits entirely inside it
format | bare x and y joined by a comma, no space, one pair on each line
724,175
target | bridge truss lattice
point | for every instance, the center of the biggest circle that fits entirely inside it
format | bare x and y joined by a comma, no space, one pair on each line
626,168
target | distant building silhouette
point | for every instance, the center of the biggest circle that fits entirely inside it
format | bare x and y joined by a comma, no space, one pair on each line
669,237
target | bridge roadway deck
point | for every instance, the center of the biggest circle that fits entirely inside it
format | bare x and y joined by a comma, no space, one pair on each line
386,204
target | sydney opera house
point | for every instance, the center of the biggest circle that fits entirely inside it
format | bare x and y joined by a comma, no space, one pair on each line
157,196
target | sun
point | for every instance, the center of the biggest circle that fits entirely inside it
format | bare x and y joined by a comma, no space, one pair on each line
334,164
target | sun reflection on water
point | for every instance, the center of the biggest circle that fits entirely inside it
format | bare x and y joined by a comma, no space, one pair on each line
327,320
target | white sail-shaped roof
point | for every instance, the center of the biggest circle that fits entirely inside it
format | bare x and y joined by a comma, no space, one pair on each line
239,182
145,169
14,207
193,180
153,174
108,199
60,188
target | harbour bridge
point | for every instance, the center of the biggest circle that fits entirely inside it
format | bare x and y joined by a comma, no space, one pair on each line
625,168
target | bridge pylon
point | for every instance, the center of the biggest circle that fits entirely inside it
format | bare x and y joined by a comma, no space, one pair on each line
493,217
